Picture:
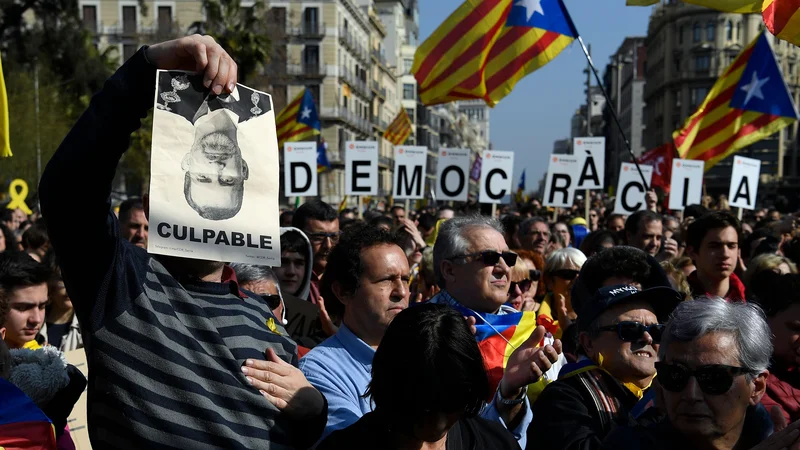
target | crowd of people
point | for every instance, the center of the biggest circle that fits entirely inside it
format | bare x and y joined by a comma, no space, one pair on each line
651,331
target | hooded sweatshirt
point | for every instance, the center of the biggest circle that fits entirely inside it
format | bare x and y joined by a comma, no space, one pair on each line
305,286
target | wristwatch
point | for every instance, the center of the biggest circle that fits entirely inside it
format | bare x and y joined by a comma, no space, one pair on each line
514,401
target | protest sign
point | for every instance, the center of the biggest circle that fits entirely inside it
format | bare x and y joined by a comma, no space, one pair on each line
361,168
300,169
686,186
591,151
630,191
744,182
451,174
496,171
562,176
409,172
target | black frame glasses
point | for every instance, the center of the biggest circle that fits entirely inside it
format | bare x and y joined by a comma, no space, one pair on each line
491,258
631,331
566,274
319,237
524,285
713,379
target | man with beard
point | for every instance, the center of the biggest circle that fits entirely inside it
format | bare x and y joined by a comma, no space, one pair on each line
177,349
133,225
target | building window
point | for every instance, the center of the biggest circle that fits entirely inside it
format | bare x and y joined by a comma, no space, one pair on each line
311,20
698,95
408,63
128,50
702,62
729,31
128,19
408,91
410,112
314,89
678,64
165,19
711,30
697,32
311,59
681,30
677,94
90,18
738,31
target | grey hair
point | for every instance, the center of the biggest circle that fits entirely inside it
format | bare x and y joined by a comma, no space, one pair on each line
246,273
559,258
694,319
452,240
527,224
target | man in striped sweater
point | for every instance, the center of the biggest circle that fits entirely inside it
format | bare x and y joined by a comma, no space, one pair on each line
179,357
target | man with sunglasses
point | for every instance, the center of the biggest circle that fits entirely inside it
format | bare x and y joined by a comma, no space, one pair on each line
472,265
609,385
319,221
712,375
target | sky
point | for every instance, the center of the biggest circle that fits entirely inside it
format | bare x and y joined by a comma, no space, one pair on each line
539,109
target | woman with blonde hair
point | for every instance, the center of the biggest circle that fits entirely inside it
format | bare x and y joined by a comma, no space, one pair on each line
523,287
768,261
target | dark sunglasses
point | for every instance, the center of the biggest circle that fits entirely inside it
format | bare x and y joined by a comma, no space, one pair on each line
524,286
491,258
629,331
714,379
273,300
534,274
319,237
566,274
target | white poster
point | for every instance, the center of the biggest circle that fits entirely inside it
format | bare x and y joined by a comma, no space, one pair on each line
214,173
562,176
496,176
300,169
592,151
686,185
361,168
630,190
452,170
744,182
409,172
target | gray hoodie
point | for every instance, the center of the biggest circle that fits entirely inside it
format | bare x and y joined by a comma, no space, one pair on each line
305,286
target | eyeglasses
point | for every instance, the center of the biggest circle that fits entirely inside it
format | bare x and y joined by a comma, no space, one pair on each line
319,237
629,331
566,274
524,286
273,300
534,274
491,258
715,379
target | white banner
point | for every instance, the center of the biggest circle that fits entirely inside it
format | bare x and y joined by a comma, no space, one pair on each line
496,176
214,173
452,172
630,191
409,172
562,176
361,168
686,185
592,151
300,169
744,182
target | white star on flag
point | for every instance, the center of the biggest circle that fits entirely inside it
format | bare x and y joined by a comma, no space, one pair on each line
531,7
754,88
306,113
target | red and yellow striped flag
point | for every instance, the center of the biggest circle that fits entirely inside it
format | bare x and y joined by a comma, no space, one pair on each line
641,2
298,120
400,129
486,46
782,18
749,102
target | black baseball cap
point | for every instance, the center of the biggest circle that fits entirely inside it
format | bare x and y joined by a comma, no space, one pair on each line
663,300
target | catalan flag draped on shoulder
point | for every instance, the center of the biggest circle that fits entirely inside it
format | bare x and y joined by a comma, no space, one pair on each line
486,46
782,18
22,423
749,102
400,129
299,120
5,136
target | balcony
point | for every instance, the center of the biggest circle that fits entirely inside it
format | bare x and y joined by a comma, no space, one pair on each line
386,161
349,117
378,90
379,125
308,30
356,83
306,70
348,40
379,57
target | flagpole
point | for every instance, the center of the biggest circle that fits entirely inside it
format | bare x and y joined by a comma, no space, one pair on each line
610,106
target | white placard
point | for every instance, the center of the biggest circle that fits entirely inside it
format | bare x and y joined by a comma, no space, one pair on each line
214,173
592,151
562,176
410,163
744,182
686,186
361,168
452,170
496,176
300,169
630,191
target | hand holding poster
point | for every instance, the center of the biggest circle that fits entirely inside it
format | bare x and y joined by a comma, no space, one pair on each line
214,173
562,175
496,171
361,168
686,186
409,172
451,175
300,169
744,182
630,191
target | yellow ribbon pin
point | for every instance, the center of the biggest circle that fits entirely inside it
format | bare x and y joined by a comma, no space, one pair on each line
18,197
272,326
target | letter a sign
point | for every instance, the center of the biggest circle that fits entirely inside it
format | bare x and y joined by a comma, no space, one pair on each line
409,172
361,168
630,191
562,175
451,174
300,169
496,176
592,151
744,182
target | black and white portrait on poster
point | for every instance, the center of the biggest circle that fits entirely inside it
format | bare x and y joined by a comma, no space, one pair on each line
214,173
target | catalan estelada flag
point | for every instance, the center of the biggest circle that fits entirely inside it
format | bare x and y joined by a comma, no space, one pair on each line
521,188
299,120
5,136
323,163
486,46
734,6
782,18
749,102
400,129
22,424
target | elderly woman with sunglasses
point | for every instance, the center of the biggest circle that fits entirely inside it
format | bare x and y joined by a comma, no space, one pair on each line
525,276
712,375
560,271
